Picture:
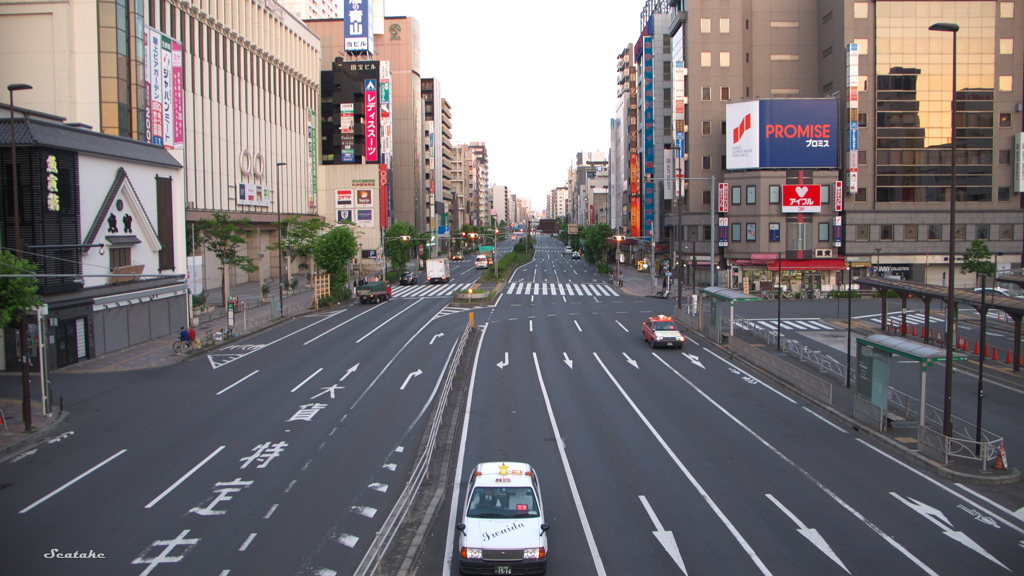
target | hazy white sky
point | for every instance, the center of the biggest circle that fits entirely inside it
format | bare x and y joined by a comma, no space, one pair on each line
535,81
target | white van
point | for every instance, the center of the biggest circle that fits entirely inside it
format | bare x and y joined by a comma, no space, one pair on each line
481,261
502,529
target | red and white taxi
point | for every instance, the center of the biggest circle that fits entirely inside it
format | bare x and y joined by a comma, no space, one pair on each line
663,331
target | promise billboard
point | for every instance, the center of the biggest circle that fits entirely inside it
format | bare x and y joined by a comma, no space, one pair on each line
788,133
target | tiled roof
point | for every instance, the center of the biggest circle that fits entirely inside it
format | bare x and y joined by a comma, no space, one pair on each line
35,132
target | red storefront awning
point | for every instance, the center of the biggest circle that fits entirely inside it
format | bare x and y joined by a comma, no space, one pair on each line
815,264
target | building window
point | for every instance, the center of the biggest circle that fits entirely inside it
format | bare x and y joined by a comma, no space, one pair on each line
826,193
826,18
705,93
784,57
723,25
784,24
1006,83
705,25
705,128
706,196
119,257
1005,121
862,46
885,232
981,231
737,195
1006,9
823,231
935,232
705,162
1004,193
726,93
862,157
863,232
724,128
910,232
705,59
861,195
1006,46
774,193
737,232
751,194
724,59
862,120
1006,232
961,232
751,232
1005,156
825,54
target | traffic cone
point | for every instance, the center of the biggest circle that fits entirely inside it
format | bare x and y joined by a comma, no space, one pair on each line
977,348
995,354
913,330
1009,357
1001,463
2,421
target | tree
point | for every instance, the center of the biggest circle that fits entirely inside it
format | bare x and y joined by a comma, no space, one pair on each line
978,259
298,238
226,238
17,295
595,240
332,252
396,249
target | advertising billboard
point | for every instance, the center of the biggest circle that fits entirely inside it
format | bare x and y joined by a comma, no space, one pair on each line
359,26
370,149
787,133
801,198
165,102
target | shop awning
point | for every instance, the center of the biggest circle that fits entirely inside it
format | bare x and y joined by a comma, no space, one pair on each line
815,264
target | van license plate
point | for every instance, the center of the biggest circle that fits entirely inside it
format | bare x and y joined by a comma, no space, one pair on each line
502,569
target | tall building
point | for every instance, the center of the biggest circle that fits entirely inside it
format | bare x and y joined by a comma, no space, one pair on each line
437,141
887,81
483,203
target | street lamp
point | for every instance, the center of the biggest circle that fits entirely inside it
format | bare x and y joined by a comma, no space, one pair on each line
280,241
947,422
26,400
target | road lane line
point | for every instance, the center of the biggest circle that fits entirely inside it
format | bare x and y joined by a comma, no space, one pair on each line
591,543
686,472
822,418
185,477
307,379
749,375
835,497
382,324
322,334
247,542
70,482
237,383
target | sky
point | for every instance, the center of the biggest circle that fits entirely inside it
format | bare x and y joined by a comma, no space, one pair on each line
535,81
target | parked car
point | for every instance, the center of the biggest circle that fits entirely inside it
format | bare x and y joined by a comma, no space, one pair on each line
407,279
996,291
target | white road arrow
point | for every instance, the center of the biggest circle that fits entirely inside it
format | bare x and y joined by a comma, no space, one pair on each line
503,363
24,455
665,537
939,519
621,326
410,377
810,533
436,336
349,371
631,361
61,437
693,358
567,361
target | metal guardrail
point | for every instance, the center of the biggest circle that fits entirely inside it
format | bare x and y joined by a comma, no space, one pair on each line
791,346
963,443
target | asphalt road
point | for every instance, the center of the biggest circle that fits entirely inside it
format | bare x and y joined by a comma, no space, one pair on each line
285,453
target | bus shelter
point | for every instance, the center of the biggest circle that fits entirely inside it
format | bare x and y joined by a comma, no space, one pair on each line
723,302
874,355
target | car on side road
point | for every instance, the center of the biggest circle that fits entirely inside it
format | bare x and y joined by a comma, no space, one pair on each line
457,256
480,262
575,255
662,331
408,279
502,528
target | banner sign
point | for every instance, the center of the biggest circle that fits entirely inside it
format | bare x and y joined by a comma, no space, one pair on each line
837,198
789,133
370,150
723,197
801,198
359,26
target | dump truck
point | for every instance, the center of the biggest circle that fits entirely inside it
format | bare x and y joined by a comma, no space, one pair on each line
374,292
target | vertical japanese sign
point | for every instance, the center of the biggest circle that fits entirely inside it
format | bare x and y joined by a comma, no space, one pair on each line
359,26
370,143
311,142
648,107
837,231
723,196
165,98
852,119
385,112
723,231
837,197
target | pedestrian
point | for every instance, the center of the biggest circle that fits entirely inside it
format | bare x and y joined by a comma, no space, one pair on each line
192,334
184,336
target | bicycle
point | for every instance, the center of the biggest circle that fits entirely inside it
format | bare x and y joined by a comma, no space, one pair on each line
768,294
182,346
789,295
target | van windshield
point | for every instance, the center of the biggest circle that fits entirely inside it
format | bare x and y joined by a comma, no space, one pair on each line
502,503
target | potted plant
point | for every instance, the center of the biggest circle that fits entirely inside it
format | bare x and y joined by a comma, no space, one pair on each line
264,293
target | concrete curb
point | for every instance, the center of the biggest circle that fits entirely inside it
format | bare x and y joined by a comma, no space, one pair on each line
7,452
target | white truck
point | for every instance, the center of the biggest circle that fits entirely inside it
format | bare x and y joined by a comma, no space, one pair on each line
438,271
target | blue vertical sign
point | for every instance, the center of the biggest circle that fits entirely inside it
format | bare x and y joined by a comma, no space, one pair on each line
648,94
